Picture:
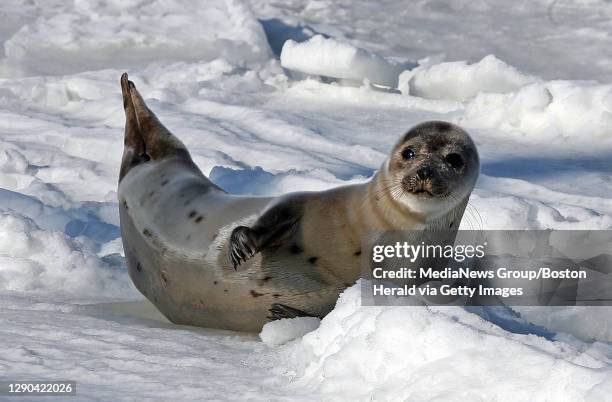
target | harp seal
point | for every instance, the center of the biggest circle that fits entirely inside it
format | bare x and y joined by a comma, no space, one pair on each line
208,258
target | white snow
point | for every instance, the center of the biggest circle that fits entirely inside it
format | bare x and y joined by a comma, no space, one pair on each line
93,34
540,111
566,111
42,261
282,331
460,81
331,58
440,353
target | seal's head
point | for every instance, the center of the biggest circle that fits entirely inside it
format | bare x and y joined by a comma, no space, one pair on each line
436,166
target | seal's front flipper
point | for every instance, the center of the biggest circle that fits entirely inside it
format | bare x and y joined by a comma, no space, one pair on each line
242,245
278,311
272,229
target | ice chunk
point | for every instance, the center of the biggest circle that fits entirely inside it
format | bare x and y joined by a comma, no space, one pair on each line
282,331
331,58
460,81
548,111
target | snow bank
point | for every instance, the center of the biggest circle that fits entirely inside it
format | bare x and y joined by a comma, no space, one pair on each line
90,35
461,81
331,58
282,331
53,264
496,96
418,353
48,250
553,110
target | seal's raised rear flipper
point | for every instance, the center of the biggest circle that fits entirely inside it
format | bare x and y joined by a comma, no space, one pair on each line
134,152
159,141
278,311
145,137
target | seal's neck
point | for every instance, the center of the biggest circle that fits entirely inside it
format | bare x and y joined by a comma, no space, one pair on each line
372,207
375,206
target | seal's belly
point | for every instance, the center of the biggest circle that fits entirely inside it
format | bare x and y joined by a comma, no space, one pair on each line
175,227
198,292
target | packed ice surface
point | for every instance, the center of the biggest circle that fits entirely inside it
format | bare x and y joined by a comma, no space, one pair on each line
330,58
284,330
560,39
87,34
68,309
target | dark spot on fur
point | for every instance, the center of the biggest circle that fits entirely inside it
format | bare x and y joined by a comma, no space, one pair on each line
163,183
346,285
263,280
192,214
188,237
357,253
215,282
147,232
152,193
225,290
125,205
451,224
156,299
276,295
213,237
295,249
187,202
255,294
164,277
138,267
199,219
201,302
313,260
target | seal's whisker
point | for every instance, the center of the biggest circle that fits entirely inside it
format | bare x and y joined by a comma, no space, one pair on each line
473,211
381,193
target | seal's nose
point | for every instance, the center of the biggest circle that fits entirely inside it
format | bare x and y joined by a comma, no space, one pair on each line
425,173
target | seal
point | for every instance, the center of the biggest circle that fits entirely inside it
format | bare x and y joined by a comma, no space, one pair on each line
208,258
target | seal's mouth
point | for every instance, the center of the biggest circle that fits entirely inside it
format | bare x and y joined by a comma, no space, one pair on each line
424,188
423,192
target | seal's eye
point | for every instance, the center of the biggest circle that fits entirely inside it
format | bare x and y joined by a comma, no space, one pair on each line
455,160
407,153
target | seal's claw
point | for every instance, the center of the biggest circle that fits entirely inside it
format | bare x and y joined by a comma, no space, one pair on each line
278,311
241,246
